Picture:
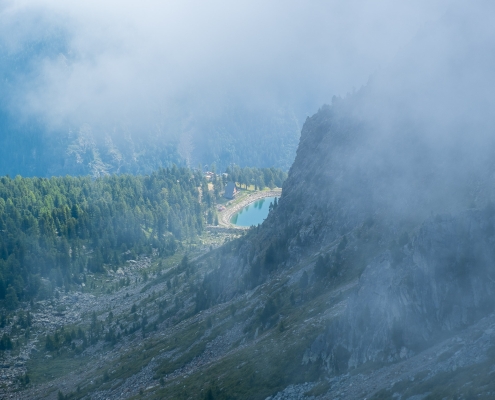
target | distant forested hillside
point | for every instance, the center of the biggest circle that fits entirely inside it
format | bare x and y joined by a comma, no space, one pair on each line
183,133
187,135
27,148
59,228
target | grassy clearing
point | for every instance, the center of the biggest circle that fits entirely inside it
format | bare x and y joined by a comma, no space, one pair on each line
41,369
255,371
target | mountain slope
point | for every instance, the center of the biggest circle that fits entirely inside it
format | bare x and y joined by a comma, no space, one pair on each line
373,277
395,192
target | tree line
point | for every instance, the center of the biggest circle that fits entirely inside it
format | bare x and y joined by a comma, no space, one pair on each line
53,231
257,177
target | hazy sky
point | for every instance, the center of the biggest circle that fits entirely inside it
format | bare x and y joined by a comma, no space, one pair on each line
128,60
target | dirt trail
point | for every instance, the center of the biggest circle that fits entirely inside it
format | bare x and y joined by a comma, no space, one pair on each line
226,215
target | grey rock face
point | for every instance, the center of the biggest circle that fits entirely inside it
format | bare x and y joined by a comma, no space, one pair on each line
407,299
349,169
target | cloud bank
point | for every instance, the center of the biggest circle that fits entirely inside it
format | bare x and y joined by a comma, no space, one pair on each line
123,62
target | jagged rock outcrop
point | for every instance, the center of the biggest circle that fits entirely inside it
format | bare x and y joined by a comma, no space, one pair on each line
408,155
409,158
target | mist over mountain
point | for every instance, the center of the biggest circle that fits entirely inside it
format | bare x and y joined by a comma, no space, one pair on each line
98,89
373,275
391,194
416,141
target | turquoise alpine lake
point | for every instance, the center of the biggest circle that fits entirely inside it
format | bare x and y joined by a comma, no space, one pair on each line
254,213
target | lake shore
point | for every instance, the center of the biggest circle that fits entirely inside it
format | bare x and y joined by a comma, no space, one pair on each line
236,205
